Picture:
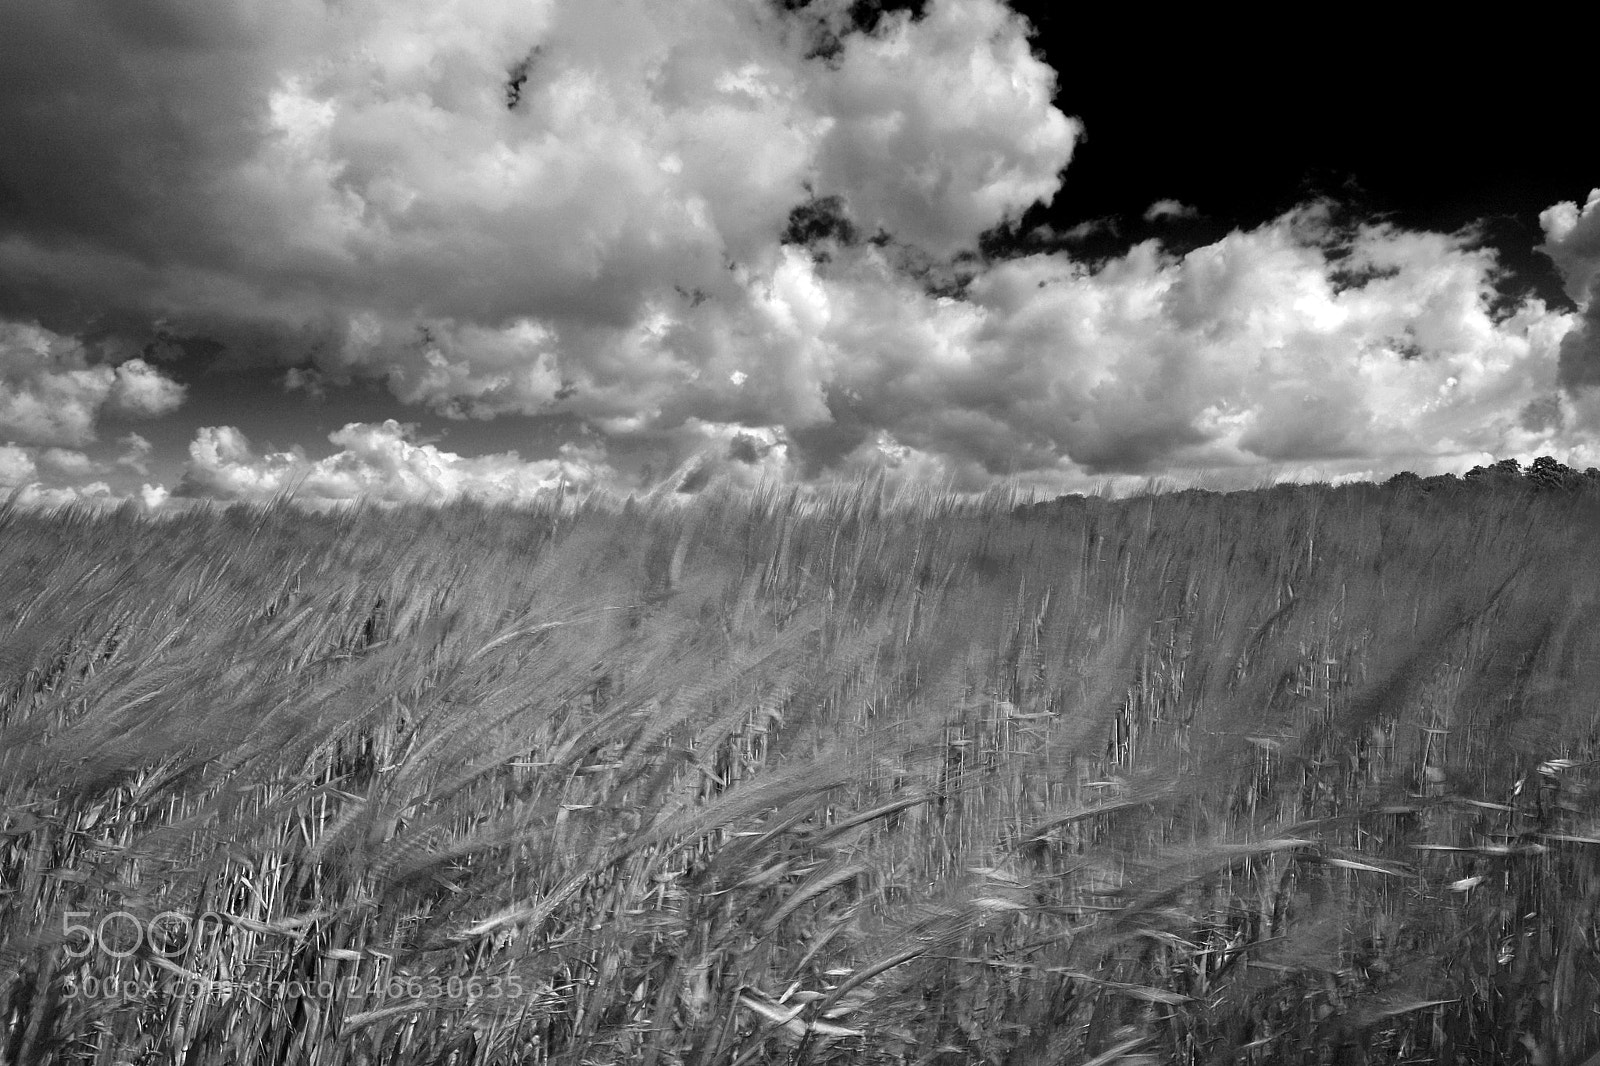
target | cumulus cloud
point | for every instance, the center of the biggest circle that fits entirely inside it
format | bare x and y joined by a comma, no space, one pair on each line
135,453
50,393
306,379
886,457
375,159
96,493
1302,344
589,211
68,463
1572,240
16,466
1298,342
942,128
1163,210
497,207
140,389
377,462
1083,230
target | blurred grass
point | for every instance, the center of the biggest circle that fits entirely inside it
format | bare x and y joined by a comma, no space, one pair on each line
1298,775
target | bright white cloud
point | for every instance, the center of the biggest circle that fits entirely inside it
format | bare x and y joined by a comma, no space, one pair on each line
140,389
51,394
510,207
378,462
645,147
135,454
366,190
1289,344
1297,345
36,495
1572,240
466,371
17,466
943,128
68,463
1163,210
1082,231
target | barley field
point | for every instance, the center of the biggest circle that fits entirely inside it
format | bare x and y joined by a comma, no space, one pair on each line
1299,775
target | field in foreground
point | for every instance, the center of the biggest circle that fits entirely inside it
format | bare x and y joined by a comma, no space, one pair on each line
1302,775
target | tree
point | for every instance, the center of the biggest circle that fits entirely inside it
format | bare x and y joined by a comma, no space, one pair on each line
1547,473
1496,473
1439,481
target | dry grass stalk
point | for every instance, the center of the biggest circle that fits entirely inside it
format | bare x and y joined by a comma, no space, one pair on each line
854,776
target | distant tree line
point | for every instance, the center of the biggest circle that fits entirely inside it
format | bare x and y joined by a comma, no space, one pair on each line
1544,474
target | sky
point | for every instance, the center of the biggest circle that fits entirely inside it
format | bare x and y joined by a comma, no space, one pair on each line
421,249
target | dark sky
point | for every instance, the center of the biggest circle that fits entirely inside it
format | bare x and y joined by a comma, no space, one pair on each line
430,248
1422,123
